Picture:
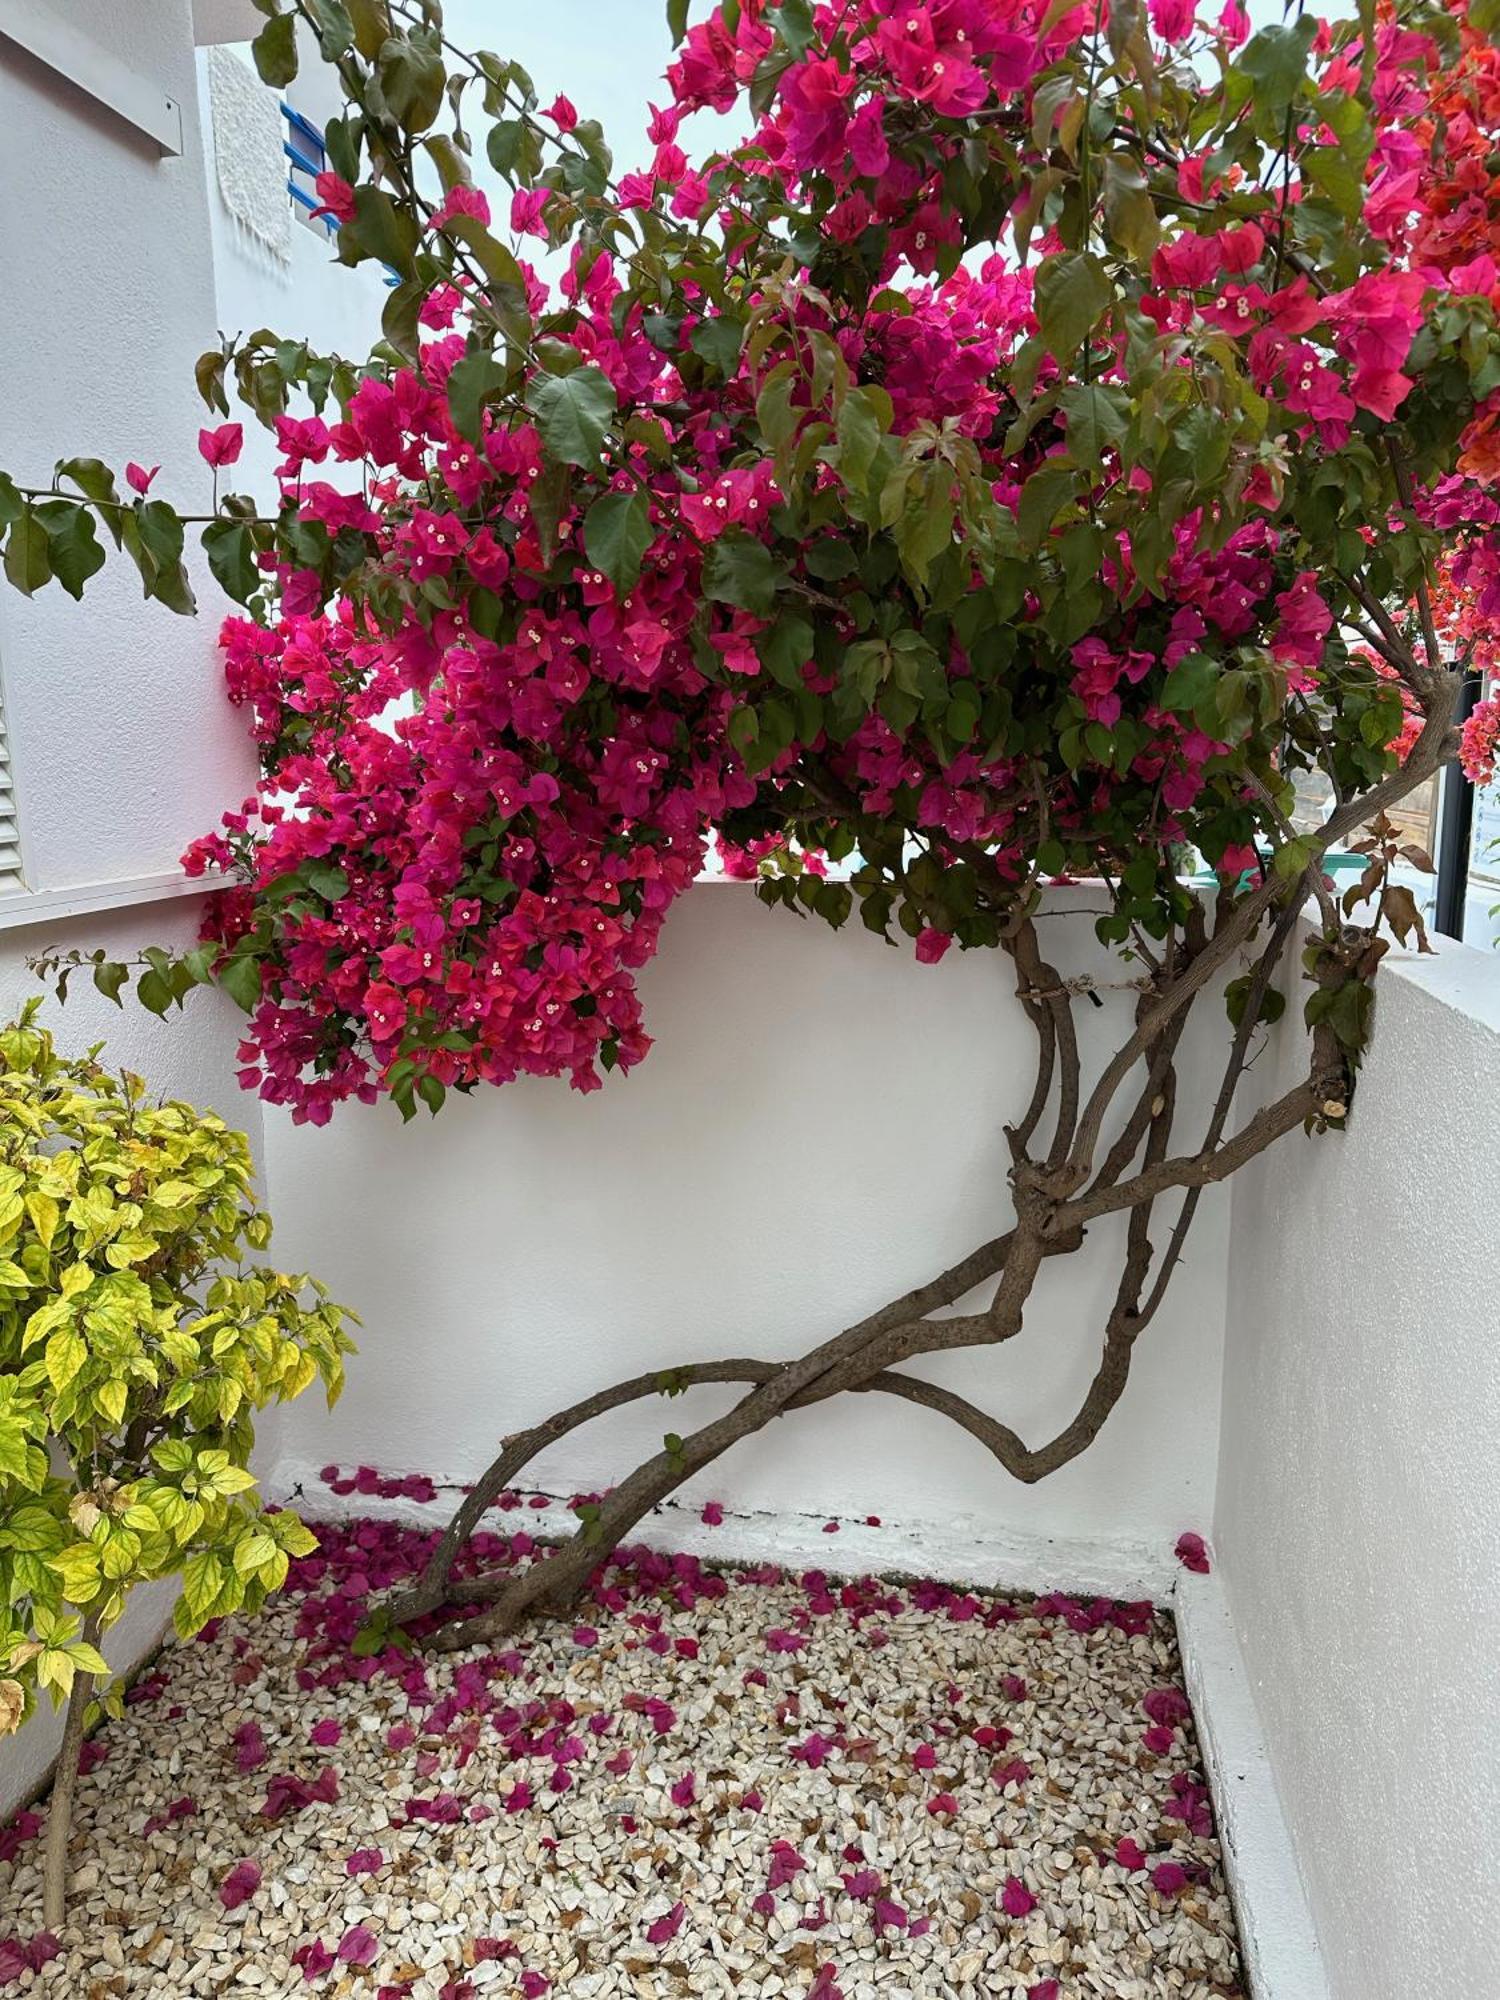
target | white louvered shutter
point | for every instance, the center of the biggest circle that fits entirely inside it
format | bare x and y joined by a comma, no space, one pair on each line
10,839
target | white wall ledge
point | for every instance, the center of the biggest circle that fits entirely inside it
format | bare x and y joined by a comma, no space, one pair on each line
30,908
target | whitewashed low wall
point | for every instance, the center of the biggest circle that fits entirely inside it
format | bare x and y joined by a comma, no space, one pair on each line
817,1129
1358,1519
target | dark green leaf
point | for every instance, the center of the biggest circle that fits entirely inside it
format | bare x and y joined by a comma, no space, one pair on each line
240,979
231,556
28,564
72,545
616,535
275,51
472,379
740,570
573,413
1071,294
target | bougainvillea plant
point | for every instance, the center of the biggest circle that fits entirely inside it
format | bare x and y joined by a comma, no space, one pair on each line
136,1345
1051,436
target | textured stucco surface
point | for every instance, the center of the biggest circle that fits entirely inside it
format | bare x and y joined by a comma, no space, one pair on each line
817,1129
1358,1519
123,746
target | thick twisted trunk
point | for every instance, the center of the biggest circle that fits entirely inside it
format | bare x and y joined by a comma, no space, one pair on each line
1056,1187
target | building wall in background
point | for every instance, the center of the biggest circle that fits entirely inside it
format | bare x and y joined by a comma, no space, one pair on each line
123,747
1358,1519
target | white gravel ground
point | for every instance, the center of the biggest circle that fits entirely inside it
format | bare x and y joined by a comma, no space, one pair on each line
748,1785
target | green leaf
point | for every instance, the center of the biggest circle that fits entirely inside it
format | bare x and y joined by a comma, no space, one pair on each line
472,379
381,230
1045,494
506,278
230,548
1190,682
573,413
742,571
109,978
329,883
153,992
240,979
1275,61
1071,294
1095,421
275,51
718,342
412,77
793,21
616,535
28,563
677,19
335,28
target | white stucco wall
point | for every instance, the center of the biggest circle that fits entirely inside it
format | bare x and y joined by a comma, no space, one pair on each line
1358,1519
817,1129
123,748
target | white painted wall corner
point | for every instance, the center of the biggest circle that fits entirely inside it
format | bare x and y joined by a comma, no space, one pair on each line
1281,1954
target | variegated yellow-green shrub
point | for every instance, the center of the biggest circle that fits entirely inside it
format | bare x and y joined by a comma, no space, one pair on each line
137,1343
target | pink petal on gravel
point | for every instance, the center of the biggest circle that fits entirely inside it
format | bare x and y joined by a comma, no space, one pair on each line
1016,1899
364,1861
358,1945
1169,1879
666,1928
240,1884
1129,1854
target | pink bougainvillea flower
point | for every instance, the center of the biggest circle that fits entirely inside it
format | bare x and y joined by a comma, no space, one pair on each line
223,445
830,1527
685,1791
1159,1739
358,1946
1129,1854
825,1986
713,1514
931,944
666,1928
1016,1899
1169,1879
924,1758
138,478
1044,1989
365,1861
1015,1772
527,211
240,1884
585,1635
325,1733
534,1984
336,197
1192,1553
942,1802
470,201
